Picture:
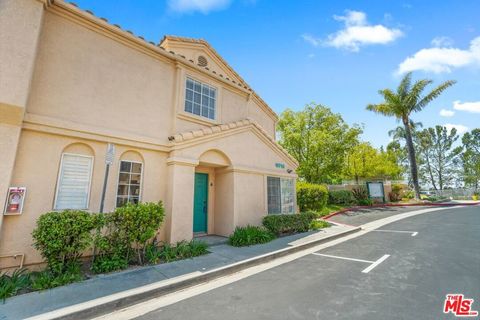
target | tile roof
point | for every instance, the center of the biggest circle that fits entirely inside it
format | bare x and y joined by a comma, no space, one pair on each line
194,134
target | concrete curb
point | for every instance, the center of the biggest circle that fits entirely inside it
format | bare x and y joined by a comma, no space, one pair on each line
107,306
397,205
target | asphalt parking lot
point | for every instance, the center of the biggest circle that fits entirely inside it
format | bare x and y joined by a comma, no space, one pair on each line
379,275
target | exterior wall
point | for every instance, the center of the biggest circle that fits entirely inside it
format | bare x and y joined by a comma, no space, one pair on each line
20,26
250,198
70,85
37,166
123,84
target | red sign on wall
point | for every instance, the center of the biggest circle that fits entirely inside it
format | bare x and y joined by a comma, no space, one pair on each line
15,198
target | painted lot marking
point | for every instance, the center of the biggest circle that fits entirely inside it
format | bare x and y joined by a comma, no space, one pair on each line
413,233
343,258
376,263
372,265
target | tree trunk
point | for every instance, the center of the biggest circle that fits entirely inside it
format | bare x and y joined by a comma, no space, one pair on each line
412,158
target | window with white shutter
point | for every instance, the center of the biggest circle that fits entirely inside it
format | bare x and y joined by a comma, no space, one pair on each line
73,187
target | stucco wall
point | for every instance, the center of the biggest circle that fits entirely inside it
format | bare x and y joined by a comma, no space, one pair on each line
37,167
86,77
250,198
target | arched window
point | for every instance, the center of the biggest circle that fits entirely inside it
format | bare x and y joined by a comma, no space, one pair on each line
129,179
74,178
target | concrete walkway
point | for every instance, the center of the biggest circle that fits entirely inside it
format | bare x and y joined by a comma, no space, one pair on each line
37,303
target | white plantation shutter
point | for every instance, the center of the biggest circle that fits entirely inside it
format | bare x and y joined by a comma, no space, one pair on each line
73,187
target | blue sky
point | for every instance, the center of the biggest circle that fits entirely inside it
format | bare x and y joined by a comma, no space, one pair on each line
336,53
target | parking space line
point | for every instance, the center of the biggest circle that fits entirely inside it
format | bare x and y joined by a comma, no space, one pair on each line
413,233
376,263
343,258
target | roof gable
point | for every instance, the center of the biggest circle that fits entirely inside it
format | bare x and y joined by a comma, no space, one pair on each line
197,136
192,49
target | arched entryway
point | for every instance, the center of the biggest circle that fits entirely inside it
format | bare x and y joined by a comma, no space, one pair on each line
213,195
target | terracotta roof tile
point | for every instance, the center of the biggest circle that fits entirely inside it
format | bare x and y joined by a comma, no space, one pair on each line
193,134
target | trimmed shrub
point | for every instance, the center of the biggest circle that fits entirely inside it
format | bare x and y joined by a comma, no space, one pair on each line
283,224
61,237
311,196
124,234
341,197
249,235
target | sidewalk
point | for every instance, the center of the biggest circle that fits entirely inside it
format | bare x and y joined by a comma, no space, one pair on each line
36,303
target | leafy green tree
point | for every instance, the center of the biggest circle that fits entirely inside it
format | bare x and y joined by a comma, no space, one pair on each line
319,139
364,161
440,157
471,158
401,103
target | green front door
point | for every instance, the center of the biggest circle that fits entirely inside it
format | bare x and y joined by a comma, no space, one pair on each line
200,203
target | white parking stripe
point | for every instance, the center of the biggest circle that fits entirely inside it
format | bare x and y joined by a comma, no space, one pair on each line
413,233
343,258
376,263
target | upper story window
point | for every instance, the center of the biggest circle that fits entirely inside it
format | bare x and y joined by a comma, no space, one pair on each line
200,99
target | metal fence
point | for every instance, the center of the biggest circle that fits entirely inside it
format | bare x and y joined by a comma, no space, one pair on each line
459,193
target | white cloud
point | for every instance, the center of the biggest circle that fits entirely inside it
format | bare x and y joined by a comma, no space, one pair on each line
461,129
447,113
442,42
438,60
204,6
311,55
312,40
356,33
473,107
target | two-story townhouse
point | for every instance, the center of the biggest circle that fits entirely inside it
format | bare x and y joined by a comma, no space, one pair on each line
186,128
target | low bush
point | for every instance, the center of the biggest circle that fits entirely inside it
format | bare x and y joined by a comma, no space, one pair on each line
124,235
361,196
311,196
409,194
136,225
319,224
182,250
282,224
47,279
341,197
396,194
61,237
250,235
11,284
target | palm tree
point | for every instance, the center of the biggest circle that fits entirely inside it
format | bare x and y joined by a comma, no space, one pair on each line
408,98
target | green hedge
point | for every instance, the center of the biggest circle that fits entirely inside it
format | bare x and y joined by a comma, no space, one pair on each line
282,224
250,235
61,237
311,196
341,197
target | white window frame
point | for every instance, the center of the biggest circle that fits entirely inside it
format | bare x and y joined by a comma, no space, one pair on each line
60,175
281,204
118,179
216,99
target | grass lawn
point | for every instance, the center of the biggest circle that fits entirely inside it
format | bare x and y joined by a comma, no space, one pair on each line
329,208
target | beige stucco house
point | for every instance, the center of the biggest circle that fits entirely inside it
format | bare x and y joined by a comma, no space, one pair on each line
186,128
